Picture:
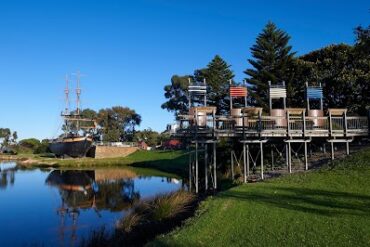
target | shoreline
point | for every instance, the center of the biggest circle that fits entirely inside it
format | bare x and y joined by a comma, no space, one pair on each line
174,162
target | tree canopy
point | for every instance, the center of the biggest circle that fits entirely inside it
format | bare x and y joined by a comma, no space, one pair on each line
217,75
118,123
272,61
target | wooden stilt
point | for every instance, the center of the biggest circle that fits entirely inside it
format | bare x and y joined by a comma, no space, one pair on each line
289,157
196,167
190,171
305,156
215,165
206,166
332,150
286,155
232,164
272,159
248,164
347,147
245,163
261,157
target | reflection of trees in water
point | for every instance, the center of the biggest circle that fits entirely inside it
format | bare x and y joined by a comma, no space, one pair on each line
110,195
78,189
117,195
7,176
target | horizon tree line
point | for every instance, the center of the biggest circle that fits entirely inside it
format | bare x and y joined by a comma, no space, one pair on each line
342,69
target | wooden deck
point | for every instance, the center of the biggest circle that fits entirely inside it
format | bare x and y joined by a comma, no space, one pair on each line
270,127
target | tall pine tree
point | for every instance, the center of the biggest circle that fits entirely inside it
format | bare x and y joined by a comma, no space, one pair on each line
272,57
218,75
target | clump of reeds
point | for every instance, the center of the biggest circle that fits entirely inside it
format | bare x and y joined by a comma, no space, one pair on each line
160,208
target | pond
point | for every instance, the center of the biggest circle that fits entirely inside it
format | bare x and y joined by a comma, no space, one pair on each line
60,207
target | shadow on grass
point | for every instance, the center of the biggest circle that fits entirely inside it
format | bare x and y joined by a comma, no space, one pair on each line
314,201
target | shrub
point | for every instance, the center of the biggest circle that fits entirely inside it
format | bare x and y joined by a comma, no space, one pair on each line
162,207
31,143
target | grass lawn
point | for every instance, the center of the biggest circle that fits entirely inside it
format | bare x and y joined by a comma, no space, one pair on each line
328,207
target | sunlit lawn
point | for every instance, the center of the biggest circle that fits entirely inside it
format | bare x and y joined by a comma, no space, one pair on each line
330,207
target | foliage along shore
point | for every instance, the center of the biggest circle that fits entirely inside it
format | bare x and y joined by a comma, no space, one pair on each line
167,161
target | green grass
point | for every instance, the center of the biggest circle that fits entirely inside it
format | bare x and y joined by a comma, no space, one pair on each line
329,207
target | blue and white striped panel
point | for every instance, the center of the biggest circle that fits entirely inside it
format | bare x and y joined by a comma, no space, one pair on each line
198,89
277,93
314,93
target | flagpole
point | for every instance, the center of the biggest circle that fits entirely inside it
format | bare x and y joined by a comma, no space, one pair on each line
231,98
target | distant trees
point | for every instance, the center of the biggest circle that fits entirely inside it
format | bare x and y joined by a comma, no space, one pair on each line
114,124
32,145
8,137
14,137
343,71
5,134
118,123
149,136
272,61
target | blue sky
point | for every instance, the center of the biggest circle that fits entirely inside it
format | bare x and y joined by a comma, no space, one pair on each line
129,50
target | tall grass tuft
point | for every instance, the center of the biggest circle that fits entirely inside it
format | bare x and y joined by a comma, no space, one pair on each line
129,222
168,206
146,220
161,207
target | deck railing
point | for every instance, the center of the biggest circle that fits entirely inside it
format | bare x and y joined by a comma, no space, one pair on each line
354,123
295,125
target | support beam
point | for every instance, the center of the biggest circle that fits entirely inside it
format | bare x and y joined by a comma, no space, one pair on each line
232,164
261,147
215,165
305,156
286,155
289,158
190,171
332,150
245,163
196,167
206,165
347,147
248,165
272,159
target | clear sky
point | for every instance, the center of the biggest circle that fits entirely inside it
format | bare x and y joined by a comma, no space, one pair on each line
129,50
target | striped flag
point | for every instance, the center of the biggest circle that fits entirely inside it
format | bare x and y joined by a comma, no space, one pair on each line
238,91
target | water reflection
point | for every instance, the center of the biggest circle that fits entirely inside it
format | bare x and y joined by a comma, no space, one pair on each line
7,174
90,189
59,207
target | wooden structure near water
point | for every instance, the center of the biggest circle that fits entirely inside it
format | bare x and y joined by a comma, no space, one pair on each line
281,128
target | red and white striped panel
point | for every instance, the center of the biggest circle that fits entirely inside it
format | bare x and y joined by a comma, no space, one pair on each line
238,91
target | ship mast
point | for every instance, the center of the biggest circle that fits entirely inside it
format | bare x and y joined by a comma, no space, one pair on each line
66,91
78,93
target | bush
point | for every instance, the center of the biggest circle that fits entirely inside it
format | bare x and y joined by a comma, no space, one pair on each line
42,148
31,143
162,207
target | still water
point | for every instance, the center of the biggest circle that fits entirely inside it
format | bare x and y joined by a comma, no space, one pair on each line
60,207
